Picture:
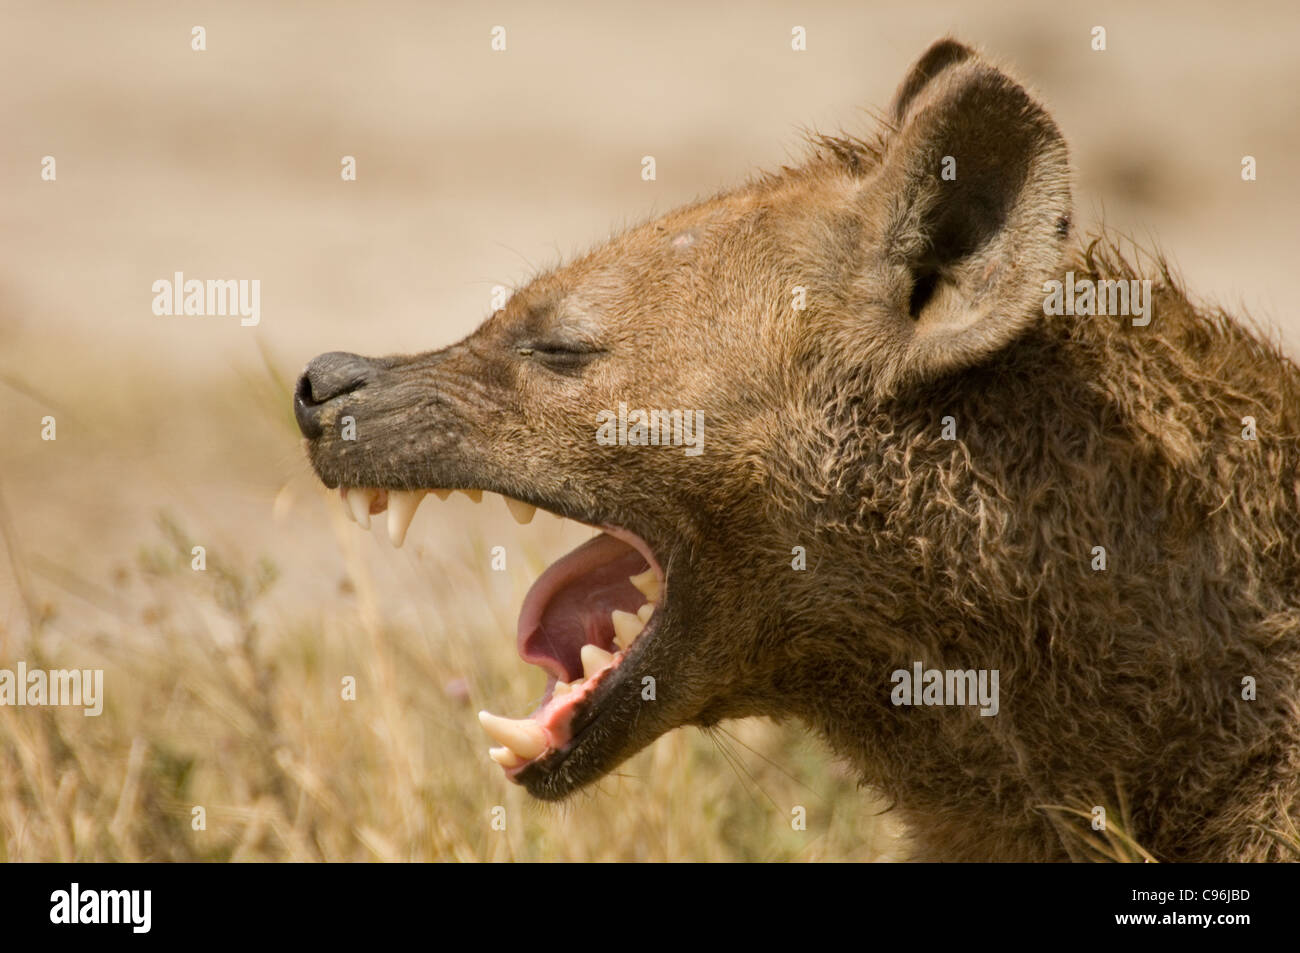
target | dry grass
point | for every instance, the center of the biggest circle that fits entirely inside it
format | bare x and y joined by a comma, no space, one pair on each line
1111,844
223,690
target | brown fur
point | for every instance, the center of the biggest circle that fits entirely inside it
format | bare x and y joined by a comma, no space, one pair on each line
1119,688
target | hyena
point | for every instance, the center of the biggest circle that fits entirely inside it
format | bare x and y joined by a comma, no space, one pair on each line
913,464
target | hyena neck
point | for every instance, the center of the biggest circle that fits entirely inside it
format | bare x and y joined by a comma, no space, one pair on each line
920,558
939,764
988,521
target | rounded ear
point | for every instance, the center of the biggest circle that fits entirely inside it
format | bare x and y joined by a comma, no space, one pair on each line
970,211
935,60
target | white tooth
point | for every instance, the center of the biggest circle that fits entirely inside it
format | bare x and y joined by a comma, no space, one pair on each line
475,495
522,512
645,612
648,583
561,688
626,628
359,502
524,736
347,508
402,505
504,757
594,658
441,494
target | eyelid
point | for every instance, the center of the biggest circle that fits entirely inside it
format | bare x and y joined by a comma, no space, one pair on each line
559,358
557,347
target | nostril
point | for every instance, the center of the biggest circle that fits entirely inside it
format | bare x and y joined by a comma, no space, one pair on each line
305,410
335,374
327,377
303,391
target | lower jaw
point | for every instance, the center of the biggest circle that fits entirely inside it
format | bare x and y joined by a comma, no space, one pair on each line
544,741
586,759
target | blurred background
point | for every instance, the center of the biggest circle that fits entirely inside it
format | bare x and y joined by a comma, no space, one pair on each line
474,168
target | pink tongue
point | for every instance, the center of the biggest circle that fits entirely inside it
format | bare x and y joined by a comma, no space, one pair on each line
570,603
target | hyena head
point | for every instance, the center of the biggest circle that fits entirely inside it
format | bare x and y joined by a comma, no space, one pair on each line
687,389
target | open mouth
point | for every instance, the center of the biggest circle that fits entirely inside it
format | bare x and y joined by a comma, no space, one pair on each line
580,620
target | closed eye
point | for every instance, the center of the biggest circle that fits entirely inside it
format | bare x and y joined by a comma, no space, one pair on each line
560,355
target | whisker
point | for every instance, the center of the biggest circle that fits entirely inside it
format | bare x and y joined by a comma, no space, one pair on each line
741,769
810,790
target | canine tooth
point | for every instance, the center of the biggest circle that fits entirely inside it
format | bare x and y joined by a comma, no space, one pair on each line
347,507
441,494
504,757
561,688
594,658
521,511
523,736
475,495
645,612
359,502
402,505
648,583
626,628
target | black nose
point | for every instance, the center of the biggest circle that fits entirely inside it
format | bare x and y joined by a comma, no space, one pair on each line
327,377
